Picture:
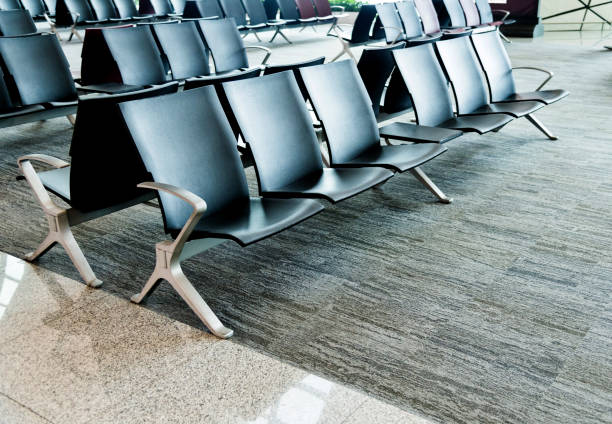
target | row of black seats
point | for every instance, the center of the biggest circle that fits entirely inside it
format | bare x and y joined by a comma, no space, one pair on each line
191,159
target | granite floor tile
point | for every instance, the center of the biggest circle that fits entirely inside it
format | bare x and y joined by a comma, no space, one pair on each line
12,412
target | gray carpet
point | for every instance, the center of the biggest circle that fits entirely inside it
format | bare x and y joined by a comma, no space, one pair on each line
493,309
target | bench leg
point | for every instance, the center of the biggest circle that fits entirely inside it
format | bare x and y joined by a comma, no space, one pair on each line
345,50
424,179
71,119
539,125
168,267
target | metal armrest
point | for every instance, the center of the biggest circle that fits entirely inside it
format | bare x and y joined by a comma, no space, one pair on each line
265,49
505,14
46,159
33,179
49,20
341,9
400,32
198,204
550,74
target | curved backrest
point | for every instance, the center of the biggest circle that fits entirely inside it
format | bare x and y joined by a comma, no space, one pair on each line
105,166
38,67
104,9
256,11
16,22
9,5
391,22
294,67
410,18
35,7
323,7
225,44
274,121
202,9
455,13
178,6
234,9
342,104
271,7
126,8
162,7
363,23
195,151
288,9
495,63
484,9
306,9
136,54
472,17
375,66
6,104
463,71
429,16
186,53
80,8
426,83
50,5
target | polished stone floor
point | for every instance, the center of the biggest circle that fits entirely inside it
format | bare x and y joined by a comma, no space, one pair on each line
493,309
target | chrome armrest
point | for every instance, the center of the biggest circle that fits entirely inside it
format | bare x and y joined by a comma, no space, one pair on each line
400,32
550,74
505,14
341,9
265,49
33,179
198,204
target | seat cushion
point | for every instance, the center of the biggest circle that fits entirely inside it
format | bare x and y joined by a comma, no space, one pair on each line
333,185
477,123
418,133
57,181
544,96
515,109
260,218
21,111
399,158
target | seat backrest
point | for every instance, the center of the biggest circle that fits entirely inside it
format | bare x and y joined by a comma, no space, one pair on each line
306,9
80,8
410,18
183,47
274,121
104,9
136,54
295,67
484,9
429,16
202,9
16,22
455,13
225,44
463,71
496,64
288,9
50,5
342,104
195,151
323,7
126,8
472,17
391,22
38,67
162,7
363,23
271,7
375,66
6,104
426,83
178,6
234,9
9,5
35,7
256,11
105,165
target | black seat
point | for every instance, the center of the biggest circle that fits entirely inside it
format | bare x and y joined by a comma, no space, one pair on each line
105,10
431,100
184,49
391,22
342,105
375,67
470,88
308,14
498,70
159,8
101,179
36,8
75,14
295,67
16,22
289,13
226,46
258,16
127,10
193,160
360,33
275,124
197,9
9,5
136,54
234,9
450,14
13,115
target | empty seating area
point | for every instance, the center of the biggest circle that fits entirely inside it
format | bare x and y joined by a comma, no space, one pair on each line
398,198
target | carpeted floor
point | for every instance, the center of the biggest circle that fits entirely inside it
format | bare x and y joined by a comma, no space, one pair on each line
493,309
